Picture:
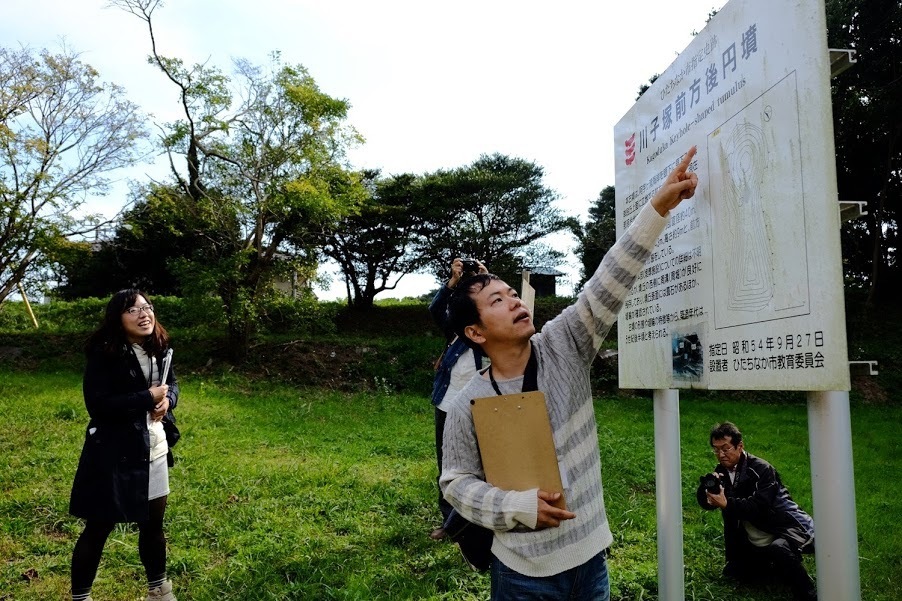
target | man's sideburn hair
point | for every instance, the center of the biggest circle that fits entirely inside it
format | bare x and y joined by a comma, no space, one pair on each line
462,310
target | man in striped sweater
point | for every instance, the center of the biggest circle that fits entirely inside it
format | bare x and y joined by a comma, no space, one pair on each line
541,551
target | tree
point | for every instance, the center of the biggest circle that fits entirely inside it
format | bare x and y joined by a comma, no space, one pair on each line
598,234
84,269
373,246
153,240
867,102
645,86
265,175
61,133
496,210
148,251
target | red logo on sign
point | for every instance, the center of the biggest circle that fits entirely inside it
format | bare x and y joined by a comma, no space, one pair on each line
630,149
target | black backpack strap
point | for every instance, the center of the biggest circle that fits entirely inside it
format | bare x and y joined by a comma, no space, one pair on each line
531,375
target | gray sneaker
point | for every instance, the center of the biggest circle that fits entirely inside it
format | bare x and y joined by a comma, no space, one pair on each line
161,593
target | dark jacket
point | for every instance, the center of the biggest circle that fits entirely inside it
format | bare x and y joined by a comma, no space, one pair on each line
111,481
455,347
759,497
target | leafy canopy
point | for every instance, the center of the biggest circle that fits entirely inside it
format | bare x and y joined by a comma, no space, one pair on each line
62,131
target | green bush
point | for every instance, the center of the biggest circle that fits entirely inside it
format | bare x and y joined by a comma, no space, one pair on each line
549,307
186,314
85,314
394,320
281,315
14,317
58,316
401,364
305,316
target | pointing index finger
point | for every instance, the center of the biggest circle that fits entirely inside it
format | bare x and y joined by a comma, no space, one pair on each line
687,158
684,164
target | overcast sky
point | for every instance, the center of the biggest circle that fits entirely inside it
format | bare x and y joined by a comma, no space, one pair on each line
432,84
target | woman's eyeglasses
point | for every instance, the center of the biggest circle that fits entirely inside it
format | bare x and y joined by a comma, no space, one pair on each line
138,310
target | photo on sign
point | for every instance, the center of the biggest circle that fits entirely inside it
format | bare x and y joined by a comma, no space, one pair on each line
688,357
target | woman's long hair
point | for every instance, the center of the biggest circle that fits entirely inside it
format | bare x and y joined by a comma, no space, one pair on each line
110,336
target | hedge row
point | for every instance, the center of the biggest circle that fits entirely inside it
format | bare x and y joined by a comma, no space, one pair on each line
306,316
302,316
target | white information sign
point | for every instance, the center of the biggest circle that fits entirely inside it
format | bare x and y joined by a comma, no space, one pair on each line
744,289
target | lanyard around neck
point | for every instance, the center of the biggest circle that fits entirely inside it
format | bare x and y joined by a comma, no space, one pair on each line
530,376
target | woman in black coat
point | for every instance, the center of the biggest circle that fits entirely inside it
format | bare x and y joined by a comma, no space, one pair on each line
123,472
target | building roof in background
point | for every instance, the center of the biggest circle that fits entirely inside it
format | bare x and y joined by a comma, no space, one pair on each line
544,271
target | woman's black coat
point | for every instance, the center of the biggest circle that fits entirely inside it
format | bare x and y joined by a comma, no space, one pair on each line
111,481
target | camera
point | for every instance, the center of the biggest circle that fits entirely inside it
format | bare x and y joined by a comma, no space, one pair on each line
470,266
711,483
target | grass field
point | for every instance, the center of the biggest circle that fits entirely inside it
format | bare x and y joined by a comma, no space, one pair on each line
282,493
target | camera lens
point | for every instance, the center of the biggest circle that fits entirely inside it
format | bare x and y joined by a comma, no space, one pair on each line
711,483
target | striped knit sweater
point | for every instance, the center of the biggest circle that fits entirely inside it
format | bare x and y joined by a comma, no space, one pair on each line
565,349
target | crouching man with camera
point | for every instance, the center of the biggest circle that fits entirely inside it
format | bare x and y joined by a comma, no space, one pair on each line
765,531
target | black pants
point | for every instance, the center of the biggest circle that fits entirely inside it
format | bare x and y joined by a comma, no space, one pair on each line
443,505
151,547
750,564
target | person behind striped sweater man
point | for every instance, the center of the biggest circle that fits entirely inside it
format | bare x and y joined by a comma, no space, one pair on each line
540,551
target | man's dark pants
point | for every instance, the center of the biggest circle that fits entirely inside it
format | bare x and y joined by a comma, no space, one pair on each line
747,563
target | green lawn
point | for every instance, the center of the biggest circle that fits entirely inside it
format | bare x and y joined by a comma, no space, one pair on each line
281,493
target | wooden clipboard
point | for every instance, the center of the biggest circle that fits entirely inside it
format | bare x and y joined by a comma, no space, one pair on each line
516,444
